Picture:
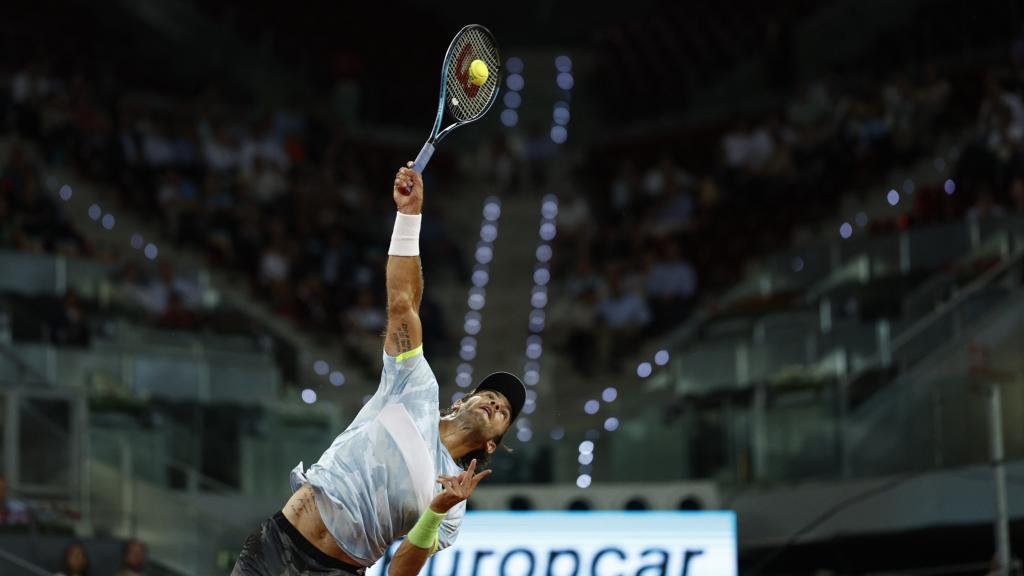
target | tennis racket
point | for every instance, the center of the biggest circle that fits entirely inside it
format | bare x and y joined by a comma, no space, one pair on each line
463,101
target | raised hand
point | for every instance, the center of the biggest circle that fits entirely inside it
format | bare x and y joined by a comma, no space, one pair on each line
457,488
408,190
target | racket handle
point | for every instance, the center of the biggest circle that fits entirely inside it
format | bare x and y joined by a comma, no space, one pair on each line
422,158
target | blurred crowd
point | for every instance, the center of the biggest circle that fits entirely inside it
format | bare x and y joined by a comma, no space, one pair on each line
283,196
653,236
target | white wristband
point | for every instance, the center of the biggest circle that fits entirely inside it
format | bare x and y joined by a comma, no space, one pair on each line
405,240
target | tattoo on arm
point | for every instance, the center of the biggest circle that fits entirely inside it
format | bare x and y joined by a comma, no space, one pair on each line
402,338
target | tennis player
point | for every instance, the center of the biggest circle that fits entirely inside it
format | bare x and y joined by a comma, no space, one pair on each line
402,468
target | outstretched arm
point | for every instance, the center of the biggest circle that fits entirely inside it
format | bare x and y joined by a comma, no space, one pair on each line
404,275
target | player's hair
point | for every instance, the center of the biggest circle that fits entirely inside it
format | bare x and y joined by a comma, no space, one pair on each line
481,456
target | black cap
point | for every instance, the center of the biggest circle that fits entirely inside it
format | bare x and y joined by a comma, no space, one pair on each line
509,386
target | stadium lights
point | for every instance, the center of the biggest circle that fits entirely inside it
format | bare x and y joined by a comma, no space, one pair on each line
609,394
798,264
477,298
861,219
95,212
845,230
949,186
65,193
591,407
893,197
337,378
309,395
151,251
611,424
321,367
513,99
137,241
661,357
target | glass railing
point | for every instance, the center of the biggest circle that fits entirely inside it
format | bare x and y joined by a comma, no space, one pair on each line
187,372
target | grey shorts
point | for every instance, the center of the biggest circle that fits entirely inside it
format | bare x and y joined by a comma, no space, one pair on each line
277,548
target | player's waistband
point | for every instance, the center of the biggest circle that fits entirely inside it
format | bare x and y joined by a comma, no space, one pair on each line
309,549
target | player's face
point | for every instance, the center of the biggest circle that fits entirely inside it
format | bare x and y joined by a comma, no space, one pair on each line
490,411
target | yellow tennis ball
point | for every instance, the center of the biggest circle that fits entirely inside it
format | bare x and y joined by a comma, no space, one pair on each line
478,72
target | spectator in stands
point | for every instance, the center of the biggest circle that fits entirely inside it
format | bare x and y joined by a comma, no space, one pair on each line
68,325
986,207
366,316
133,559
623,314
671,283
75,562
12,512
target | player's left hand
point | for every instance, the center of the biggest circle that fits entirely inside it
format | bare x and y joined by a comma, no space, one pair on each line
457,488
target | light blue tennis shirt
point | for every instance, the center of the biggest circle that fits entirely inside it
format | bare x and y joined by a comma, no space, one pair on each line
379,475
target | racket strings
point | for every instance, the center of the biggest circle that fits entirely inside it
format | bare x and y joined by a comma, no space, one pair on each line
464,105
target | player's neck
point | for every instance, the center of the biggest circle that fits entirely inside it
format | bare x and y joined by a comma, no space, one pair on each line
459,440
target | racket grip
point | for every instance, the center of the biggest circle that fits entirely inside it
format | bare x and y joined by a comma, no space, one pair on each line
422,158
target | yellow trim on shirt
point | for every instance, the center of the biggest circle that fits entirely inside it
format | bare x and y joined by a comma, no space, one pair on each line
414,352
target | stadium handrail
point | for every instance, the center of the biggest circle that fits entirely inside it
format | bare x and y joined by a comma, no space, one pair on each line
24,564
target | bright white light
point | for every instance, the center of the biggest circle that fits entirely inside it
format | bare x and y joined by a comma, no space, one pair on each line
488,232
151,251
559,134
514,65
893,197
95,212
309,395
529,407
492,211
531,366
798,264
534,340
949,186
467,354
524,434
463,380
515,82
476,301
609,394
583,481
585,459
109,221
464,369
939,164
321,367
861,219
509,117
543,253
586,447
563,63
337,378
549,209
558,434
531,378
591,407
472,327
643,370
611,424
565,80
846,230
523,423
541,276
513,99
661,357
534,351
561,116
539,299
547,231
137,241
65,192
908,186
480,278
484,254
468,341
531,395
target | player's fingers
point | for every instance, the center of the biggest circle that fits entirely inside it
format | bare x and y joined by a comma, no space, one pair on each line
472,468
481,476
